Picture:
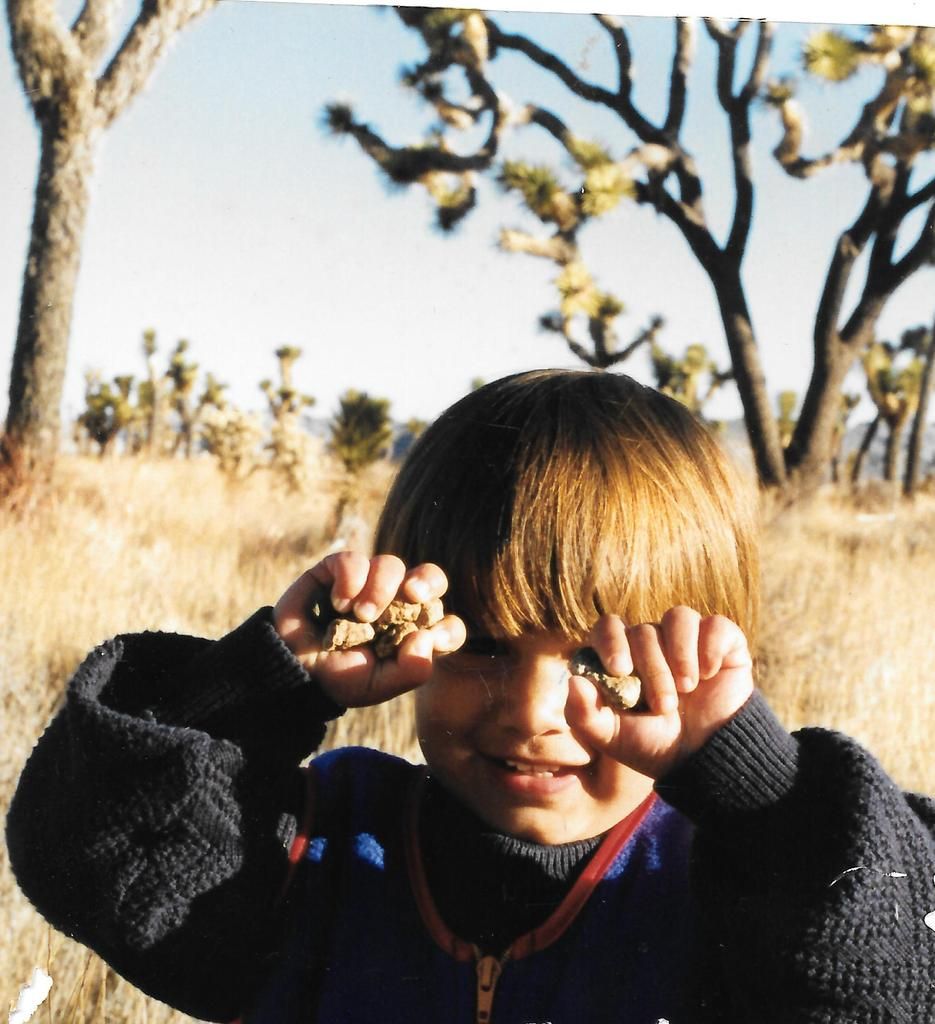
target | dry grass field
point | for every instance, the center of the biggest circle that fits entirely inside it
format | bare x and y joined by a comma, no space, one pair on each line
846,638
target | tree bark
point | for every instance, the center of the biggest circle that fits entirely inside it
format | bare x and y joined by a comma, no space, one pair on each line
812,447
865,443
39,358
891,458
761,424
917,434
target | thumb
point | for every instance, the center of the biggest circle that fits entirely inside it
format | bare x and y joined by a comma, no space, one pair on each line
646,742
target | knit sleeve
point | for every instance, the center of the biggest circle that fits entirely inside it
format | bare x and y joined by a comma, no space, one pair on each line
153,818
814,873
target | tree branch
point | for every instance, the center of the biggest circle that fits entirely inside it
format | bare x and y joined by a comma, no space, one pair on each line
646,336
408,164
93,29
548,61
681,61
49,62
557,248
621,44
875,115
685,218
850,244
922,251
764,45
130,69
918,198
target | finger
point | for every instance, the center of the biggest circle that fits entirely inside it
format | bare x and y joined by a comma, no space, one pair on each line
384,579
721,644
423,582
448,634
609,639
679,630
591,720
345,572
649,663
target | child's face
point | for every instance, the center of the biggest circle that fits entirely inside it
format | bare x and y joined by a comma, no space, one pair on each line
492,725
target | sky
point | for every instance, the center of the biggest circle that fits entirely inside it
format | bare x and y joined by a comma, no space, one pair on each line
222,213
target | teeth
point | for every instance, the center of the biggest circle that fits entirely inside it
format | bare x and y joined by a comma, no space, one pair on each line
529,769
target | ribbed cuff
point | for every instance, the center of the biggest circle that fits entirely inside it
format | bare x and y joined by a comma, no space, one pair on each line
748,764
251,660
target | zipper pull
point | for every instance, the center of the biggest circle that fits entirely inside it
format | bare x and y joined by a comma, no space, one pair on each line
488,971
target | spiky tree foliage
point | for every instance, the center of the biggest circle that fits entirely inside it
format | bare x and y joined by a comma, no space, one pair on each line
360,430
74,100
361,433
654,166
109,410
231,435
692,378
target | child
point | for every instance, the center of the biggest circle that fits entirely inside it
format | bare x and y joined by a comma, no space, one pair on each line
557,860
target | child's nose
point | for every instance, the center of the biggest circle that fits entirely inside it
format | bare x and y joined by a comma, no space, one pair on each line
533,698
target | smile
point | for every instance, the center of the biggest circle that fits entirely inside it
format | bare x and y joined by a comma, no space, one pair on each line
538,770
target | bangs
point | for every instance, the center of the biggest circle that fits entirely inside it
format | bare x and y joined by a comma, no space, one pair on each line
551,498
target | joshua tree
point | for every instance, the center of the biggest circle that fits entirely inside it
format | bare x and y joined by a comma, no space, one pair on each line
457,80
109,410
74,103
360,431
153,400
922,342
288,443
895,388
183,375
692,379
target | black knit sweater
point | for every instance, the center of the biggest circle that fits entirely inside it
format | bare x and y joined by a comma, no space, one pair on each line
153,818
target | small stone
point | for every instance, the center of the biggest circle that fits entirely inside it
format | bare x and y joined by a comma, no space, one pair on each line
398,612
390,636
343,634
620,692
430,613
396,623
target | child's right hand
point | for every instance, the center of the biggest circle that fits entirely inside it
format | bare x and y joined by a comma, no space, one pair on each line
362,587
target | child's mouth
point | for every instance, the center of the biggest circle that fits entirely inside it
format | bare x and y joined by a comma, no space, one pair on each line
536,770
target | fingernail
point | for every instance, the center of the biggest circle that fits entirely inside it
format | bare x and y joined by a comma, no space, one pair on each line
668,704
419,589
340,604
365,611
686,684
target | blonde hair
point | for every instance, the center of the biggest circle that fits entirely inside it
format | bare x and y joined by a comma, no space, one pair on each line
551,497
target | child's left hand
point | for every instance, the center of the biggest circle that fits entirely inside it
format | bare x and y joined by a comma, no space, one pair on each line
696,673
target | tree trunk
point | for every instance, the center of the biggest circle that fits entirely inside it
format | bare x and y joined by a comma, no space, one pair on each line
762,428
865,443
917,434
813,442
891,458
38,372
